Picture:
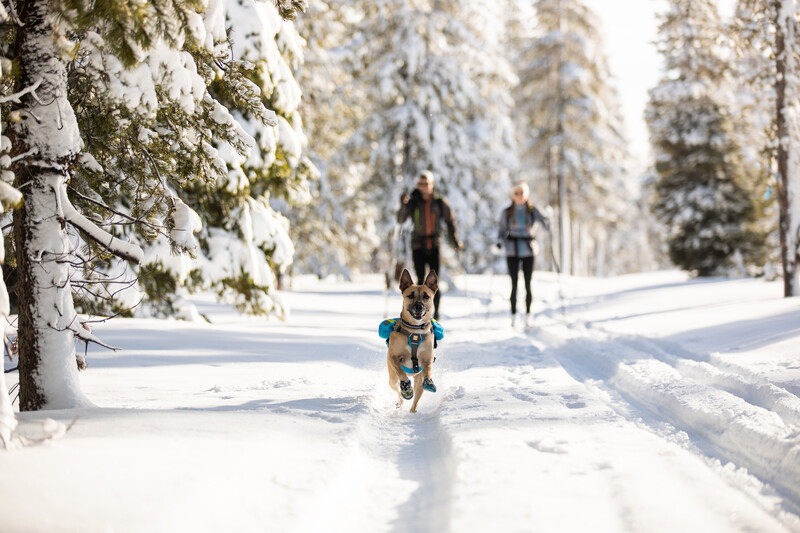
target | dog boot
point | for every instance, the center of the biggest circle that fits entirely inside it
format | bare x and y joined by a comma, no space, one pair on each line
428,385
405,389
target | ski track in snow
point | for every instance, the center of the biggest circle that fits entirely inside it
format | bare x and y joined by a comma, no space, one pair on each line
423,460
729,414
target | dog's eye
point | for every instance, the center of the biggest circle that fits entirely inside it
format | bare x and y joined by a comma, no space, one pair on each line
426,297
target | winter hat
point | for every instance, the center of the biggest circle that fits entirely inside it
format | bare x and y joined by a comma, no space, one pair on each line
526,191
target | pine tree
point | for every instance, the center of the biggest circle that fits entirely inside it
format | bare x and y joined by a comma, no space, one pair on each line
148,133
752,107
227,145
46,143
245,241
570,128
9,197
425,111
770,28
334,235
120,138
482,55
703,193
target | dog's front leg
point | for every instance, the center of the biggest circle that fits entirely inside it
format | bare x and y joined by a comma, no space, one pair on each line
417,391
396,375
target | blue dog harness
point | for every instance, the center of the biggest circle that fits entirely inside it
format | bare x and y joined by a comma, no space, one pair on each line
390,325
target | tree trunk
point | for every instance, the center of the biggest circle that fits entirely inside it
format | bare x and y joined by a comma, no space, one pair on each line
787,197
49,131
564,227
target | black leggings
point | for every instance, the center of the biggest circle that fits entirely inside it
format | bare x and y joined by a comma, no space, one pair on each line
430,258
527,273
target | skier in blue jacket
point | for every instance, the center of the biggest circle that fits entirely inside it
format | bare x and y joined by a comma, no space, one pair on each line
517,233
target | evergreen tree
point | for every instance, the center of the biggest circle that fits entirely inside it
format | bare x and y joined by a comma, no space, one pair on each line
9,197
122,139
333,233
570,137
703,194
46,143
218,125
482,54
751,86
769,28
423,78
245,240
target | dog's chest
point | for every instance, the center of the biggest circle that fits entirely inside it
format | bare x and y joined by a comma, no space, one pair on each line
402,345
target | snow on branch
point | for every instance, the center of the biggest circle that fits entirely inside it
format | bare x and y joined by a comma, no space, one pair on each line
67,212
16,97
84,333
288,8
9,196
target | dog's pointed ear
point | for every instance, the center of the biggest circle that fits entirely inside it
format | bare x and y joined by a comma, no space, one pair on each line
432,281
405,280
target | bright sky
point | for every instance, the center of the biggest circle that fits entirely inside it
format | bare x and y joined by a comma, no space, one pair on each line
630,30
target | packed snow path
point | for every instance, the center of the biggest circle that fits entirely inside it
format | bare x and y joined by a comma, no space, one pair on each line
653,404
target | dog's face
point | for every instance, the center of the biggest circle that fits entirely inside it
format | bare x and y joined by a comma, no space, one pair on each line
418,299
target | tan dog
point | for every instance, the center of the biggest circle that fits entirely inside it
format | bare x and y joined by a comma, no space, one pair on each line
411,344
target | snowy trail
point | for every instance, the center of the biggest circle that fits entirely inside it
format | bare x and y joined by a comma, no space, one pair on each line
577,425
731,415
406,477
563,439
424,460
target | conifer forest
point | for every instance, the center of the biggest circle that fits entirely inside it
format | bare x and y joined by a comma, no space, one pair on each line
151,150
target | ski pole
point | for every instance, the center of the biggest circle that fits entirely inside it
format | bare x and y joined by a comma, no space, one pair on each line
558,277
493,268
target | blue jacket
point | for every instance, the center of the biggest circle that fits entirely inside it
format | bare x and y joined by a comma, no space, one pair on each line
517,231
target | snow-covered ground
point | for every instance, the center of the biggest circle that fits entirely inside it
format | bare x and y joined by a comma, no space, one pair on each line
644,403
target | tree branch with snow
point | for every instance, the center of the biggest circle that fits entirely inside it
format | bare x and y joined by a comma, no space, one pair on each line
67,212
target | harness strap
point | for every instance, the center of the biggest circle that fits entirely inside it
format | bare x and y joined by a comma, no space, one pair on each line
414,340
413,326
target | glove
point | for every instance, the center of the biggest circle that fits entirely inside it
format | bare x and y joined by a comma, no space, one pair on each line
497,249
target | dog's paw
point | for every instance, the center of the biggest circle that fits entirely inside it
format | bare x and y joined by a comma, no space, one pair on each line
429,385
405,389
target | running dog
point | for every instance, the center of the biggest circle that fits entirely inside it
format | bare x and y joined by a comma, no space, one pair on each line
411,341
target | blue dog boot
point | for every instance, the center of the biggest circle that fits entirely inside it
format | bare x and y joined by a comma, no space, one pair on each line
405,390
428,385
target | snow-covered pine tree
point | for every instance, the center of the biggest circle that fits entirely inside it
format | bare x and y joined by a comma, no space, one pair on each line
149,119
569,129
245,240
703,194
752,89
424,99
482,54
147,131
9,197
333,235
201,120
770,28
46,143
